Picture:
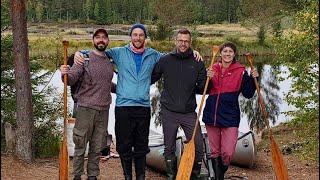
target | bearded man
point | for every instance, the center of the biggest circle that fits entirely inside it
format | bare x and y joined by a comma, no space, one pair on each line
93,100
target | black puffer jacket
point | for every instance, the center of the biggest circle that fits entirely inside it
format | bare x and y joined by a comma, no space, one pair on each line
183,77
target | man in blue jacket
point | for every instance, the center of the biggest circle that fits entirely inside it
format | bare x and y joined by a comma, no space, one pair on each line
135,63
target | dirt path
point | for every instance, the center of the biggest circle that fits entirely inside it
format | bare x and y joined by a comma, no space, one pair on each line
47,169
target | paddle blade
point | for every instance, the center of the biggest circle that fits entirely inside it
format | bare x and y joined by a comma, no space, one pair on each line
186,162
63,161
278,162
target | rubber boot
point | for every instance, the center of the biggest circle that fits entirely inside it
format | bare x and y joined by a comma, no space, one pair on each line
140,167
127,168
77,177
218,174
171,165
92,178
196,169
223,167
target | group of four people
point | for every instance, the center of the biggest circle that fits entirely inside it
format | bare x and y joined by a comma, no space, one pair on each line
184,76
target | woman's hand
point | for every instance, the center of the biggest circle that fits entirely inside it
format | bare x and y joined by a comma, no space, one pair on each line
210,72
254,73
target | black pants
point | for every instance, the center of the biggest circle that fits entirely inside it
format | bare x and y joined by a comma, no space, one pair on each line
132,131
171,121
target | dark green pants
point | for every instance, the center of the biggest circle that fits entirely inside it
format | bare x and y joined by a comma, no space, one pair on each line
90,127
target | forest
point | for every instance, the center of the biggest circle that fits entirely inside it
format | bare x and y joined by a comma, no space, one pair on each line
127,11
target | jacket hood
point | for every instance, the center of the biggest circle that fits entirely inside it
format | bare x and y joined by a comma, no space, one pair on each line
184,55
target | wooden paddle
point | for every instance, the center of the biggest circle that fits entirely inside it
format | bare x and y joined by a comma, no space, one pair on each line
187,159
277,159
63,155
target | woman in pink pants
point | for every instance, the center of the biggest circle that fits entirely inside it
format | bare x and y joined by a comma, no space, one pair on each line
221,114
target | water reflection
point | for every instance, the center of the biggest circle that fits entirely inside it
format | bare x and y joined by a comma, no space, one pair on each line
272,91
269,88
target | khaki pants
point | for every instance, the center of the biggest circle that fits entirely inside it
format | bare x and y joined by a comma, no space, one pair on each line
90,127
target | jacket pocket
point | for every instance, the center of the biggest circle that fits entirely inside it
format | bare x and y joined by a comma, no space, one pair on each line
79,138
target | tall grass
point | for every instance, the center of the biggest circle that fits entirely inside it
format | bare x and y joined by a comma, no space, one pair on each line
49,50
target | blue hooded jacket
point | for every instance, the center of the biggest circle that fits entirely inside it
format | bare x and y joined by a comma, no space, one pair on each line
133,88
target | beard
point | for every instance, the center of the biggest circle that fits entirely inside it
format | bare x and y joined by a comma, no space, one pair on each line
181,48
100,46
141,46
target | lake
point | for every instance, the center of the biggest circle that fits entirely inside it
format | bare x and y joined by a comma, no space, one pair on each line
284,86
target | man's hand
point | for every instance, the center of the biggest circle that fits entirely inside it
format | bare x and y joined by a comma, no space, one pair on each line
78,58
64,69
197,55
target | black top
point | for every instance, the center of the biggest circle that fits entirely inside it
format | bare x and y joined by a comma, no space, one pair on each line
183,77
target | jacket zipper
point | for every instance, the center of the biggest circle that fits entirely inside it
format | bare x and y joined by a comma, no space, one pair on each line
218,97
180,81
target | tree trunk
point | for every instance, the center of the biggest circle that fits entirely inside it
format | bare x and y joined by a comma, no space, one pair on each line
24,128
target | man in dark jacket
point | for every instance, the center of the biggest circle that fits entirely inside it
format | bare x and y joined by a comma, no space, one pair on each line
183,78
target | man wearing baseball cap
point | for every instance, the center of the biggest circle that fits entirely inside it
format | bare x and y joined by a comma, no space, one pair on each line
93,101
135,63
101,30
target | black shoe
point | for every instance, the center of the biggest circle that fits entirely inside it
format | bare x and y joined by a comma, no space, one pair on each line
171,165
196,169
92,178
105,151
141,177
77,177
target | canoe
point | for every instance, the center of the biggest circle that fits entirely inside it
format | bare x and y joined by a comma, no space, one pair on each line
244,155
246,152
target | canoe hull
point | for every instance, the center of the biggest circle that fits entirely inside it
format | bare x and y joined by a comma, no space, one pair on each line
244,155
155,158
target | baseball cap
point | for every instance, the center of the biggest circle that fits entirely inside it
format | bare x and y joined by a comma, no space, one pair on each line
100,30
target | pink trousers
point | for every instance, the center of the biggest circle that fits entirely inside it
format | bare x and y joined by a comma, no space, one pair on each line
222,142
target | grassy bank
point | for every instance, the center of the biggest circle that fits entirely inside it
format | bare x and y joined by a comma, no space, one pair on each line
45,40
298,138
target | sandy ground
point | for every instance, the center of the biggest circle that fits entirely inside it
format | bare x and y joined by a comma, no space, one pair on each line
12,169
